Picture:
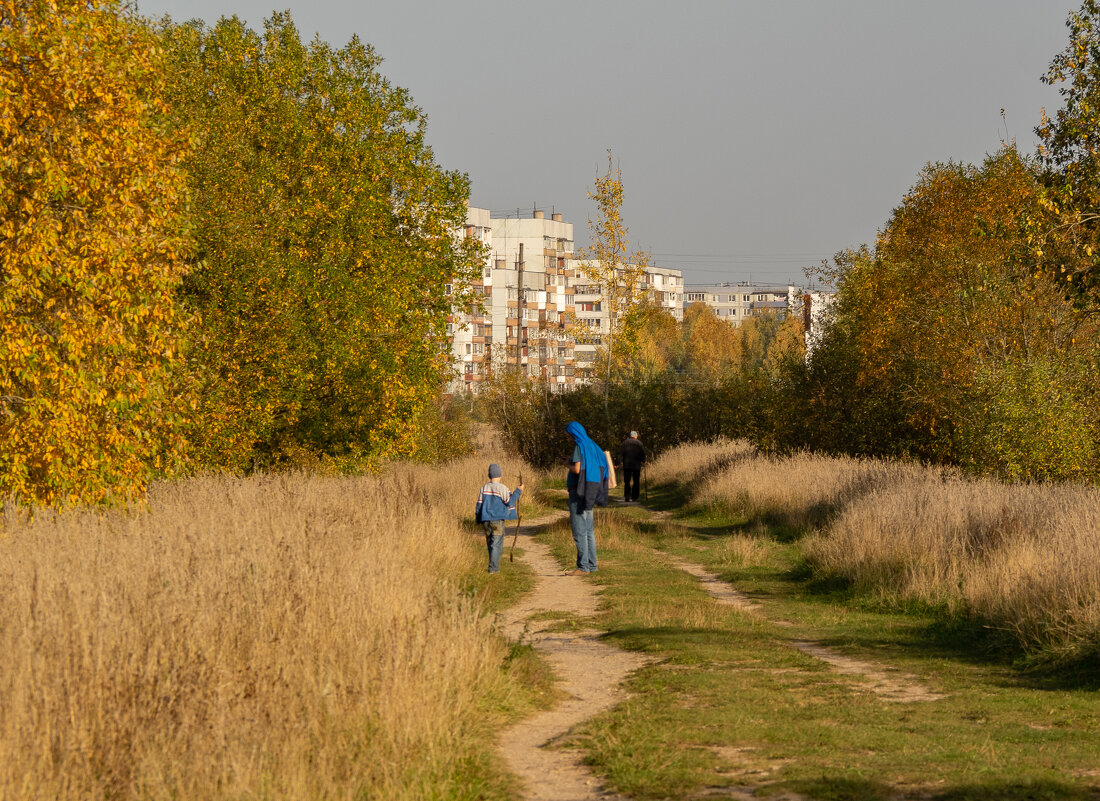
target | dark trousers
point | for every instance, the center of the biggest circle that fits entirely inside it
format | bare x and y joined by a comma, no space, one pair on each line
631,483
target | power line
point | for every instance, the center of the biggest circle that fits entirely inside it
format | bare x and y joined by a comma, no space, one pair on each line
719,260
796,254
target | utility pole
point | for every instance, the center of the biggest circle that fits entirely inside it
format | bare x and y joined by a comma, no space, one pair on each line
519,312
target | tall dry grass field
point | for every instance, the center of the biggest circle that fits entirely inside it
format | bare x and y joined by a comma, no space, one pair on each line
1021,558
273,637
799,490
691,461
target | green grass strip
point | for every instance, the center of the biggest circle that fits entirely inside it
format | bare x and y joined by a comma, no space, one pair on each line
730,702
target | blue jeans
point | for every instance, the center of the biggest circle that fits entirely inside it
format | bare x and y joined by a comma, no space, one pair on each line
583,524
494,541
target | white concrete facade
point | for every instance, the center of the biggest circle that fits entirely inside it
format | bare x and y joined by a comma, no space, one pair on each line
532,328
736,302
816,308
665,286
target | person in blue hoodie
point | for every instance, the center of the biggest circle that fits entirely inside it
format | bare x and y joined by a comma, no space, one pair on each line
587,485
495,504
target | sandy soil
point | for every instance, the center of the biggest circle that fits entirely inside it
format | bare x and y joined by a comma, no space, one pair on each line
590,672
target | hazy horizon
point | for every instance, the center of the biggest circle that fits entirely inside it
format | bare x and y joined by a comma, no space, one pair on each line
754,138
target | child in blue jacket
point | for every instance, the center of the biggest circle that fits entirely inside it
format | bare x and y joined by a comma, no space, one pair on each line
495,505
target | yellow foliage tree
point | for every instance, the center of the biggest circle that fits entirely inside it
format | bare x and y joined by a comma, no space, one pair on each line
90,201
949,345
1066,234
607,262
658,346
711,345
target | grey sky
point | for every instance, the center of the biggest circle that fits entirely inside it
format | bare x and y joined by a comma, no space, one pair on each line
754,137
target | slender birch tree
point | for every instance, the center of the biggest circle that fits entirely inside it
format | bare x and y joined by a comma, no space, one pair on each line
608,263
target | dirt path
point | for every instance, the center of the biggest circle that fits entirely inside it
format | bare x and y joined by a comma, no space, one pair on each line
590,671
886,682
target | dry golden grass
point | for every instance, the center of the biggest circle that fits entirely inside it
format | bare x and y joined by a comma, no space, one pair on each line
799,490
691,461
1022,558
738,550
284,636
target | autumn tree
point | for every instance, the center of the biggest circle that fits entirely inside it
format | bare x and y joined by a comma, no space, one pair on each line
1067,234
607,262
90,254
658,346
325,245
946,345
711,346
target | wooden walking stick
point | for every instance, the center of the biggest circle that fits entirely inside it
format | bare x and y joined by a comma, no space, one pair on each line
519,518
645,481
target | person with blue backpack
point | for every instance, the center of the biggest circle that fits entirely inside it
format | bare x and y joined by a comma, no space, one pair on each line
587,482
495,504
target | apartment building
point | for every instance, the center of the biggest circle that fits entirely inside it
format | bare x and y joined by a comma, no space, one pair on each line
665,286
735,302
668,289
533,278
472,335
534,295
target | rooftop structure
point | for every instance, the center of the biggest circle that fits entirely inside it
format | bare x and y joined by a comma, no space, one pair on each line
534,294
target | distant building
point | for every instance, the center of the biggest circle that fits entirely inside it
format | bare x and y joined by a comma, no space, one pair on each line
534,293
666,289
737,302
816,308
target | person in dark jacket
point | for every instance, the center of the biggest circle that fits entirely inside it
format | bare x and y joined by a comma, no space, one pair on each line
587,484
495,504
631,457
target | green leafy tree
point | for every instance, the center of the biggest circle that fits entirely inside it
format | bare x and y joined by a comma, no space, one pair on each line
90,254
325,246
